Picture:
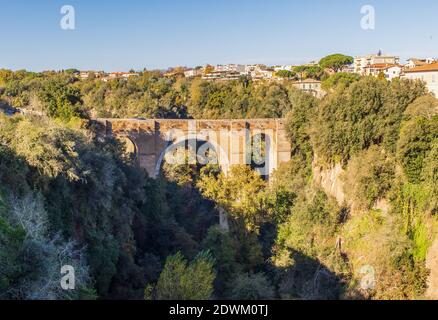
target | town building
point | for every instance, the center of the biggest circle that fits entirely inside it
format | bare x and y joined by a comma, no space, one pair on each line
120,76
230,68
222,76
361,63
348,69
253,68
311,86
427,73
234,72
389,71
263,74
191,73
259,72
393,72
414,62
87,74
286,67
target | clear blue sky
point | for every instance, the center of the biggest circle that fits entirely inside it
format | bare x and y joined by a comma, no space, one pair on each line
119,35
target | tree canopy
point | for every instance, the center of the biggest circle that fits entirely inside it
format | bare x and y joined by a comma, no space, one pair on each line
335,62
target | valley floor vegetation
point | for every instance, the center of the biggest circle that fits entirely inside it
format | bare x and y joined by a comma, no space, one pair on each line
68,195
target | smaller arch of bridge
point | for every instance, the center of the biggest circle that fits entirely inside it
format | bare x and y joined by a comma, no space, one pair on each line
223,159
270,151
130,144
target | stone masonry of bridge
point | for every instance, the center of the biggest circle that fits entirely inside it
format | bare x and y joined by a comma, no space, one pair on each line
151,139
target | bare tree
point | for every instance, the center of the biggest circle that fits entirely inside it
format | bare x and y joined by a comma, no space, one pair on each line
49,252
29,213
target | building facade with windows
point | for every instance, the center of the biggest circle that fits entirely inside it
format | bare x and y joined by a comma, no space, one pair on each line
194,73
230,68
413,62
389,71
310,86
427,73
361,63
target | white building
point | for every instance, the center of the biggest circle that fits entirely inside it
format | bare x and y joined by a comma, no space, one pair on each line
250,68
280,68
427,73
393,72
361,63
230,68
222,75
259,72
413,62
86,74
311,86
120,75
390,71
194,73
348,69
265,74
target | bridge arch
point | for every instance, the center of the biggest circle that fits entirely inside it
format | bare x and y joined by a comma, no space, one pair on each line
130,145
222,157
263,152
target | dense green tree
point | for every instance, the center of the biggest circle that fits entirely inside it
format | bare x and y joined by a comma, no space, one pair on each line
287,74
416,138
237,193
11,242
182,281
369,112
59,100
252,287
310,71
369,176
224,249
339,79
335,62
425,106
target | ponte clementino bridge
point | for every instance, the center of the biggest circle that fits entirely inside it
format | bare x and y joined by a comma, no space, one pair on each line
151,139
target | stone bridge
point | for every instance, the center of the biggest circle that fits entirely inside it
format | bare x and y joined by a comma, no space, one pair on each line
232,141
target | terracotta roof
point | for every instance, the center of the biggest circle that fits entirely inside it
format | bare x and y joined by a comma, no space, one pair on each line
383,66
425,68
418,61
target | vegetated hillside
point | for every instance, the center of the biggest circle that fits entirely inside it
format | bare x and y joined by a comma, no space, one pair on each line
151,95
69,196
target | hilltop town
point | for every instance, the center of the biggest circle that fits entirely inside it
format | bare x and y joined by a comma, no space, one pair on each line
307,77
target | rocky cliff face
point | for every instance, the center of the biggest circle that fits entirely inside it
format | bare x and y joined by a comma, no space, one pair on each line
330,181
